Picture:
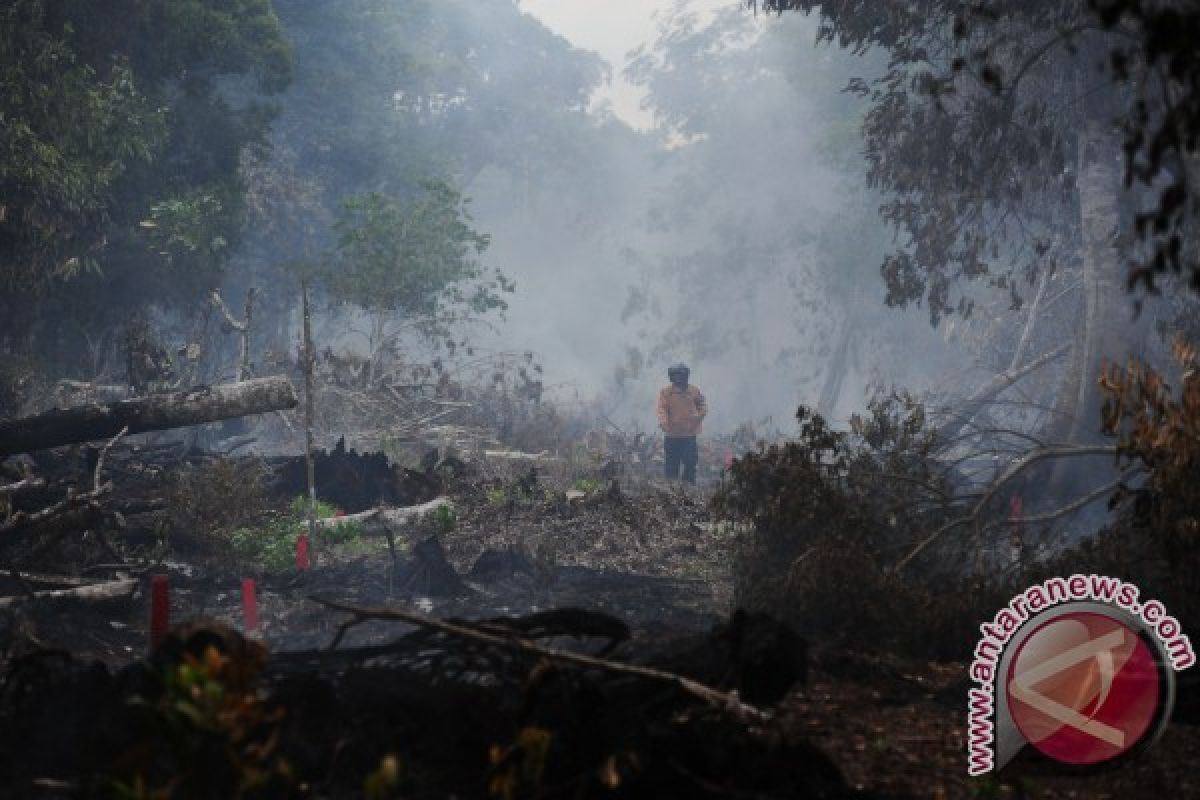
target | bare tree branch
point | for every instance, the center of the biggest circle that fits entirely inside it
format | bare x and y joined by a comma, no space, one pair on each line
72,501
725,701
1013,470
1075,505
104,454
219,303
22,519
1030,321
21,486
243,328
998,383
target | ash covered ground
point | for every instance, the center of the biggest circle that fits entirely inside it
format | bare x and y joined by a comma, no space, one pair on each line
627,569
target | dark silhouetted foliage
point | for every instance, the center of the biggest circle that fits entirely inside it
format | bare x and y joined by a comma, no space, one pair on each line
124,127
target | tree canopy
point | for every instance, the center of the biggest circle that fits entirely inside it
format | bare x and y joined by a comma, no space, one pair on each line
412,256
122,146
395,109
995,92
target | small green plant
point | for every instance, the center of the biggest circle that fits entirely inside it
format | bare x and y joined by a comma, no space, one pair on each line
272,544
342,533
367,546
587,485
299,508
444,519
496,496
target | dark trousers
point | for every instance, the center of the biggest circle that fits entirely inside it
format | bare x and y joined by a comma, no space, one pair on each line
680,450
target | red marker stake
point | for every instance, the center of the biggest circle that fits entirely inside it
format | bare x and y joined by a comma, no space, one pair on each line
249,606
160,609
302,562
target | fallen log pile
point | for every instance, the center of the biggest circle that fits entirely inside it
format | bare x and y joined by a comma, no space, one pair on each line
74,500
28,501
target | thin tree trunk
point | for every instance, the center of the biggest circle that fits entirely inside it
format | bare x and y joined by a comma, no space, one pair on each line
1104,311
247,319
1191,226
831,390
309,363
1035,306
1103,329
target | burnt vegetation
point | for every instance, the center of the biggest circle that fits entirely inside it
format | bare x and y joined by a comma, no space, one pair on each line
329,341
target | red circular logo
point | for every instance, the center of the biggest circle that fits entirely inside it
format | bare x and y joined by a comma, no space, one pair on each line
1083,688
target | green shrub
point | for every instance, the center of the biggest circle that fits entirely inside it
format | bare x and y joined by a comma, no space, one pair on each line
299,508
272,544
822,520
443,518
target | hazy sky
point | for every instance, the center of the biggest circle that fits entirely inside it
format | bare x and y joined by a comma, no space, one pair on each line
578,264
612,28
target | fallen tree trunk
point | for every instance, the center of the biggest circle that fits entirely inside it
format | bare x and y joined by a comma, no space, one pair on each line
517,455
80,392
140,414
381,520
92,592
21,486
62,581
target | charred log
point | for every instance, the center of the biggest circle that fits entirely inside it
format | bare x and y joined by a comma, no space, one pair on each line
152,413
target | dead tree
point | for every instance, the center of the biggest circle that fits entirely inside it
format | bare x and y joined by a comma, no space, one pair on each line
310,360
982,500
243,328
1019,367
140,414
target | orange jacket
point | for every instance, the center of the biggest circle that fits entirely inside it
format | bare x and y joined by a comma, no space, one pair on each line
681,411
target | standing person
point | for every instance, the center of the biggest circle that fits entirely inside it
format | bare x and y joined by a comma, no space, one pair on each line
681,410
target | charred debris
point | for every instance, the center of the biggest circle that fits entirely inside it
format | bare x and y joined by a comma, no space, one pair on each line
481,622
330,339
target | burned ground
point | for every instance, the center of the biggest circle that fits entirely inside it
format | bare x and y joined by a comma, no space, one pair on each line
553,559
